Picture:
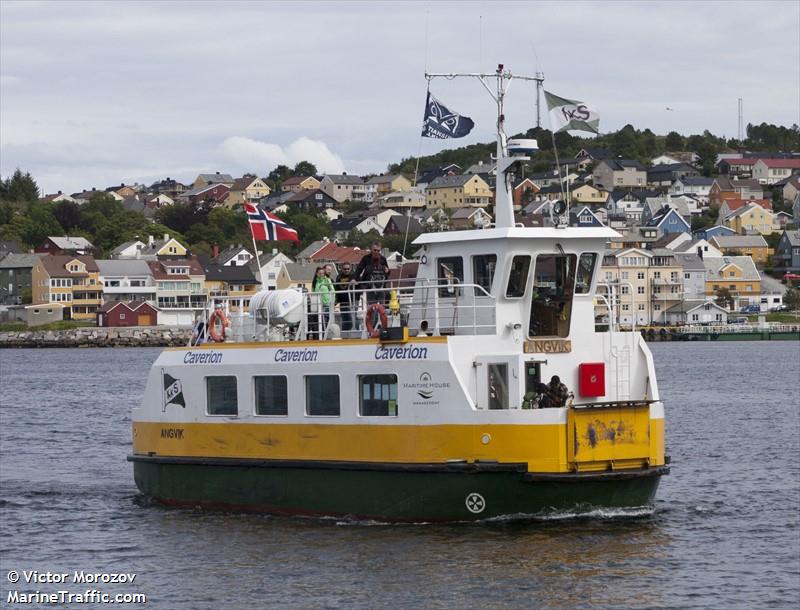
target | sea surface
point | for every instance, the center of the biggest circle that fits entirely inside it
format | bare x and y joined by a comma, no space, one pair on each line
724,533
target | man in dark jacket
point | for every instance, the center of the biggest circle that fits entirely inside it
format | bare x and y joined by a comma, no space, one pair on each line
345,296
373,273
558,391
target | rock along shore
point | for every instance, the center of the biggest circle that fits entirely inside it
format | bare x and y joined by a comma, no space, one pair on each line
134,336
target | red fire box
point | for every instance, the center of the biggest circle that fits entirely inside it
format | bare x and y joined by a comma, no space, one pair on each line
592,379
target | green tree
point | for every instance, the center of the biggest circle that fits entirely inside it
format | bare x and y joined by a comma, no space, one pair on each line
19,187
791,298
305,168
674,141
723,298
68,214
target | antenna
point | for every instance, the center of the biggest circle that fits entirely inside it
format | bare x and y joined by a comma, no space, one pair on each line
741,124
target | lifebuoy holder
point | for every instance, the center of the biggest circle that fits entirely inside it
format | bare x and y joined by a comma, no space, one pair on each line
371,330
217,316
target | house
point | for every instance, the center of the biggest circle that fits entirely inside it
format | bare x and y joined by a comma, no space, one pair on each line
697,312
379,186
232,256
675,157
634,237
470,218
248,188
402,200
754,246
10,247
665,174
270,268
587,193
169,187
167,246
295,184
236,283
126,280
180,294
343,187
160,200
791,188
296,275
584,217
213,194
770,171
403,225
700,186
453,192
65,245
341,227
71,280
736,167
668,220
330,214
483,168
694,275
729,206
429,175
787,253
215,178
586,156
710,232
59,196
725,188
122,190
737,274
781,220
44,313
332,252
700,247
434,219
15,278
523,192
751,218
671,241
310,200
654,205
122,313
615,173
306,253
545,179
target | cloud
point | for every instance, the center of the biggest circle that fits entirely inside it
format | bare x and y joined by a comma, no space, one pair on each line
257,155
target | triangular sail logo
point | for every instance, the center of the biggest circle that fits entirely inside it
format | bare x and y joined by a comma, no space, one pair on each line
173,392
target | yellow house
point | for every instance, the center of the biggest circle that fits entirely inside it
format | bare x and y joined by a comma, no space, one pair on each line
168,246
300,183
754,246
378,186
751,219
72,281
246,188
737,274
295,275
459,191
587,193
235,282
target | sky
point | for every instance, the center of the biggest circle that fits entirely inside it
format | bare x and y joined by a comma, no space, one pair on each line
101,93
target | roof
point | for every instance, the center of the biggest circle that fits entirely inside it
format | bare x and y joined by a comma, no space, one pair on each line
657,204
334,253
216,178
300,273
124,266
55,265
18,261
344,179
405,223
467,212
782,163
311,249
71,243
451,181
306,194
595,153
159,273
793,237
739,161
124,246
132,305
384,179
736,204
739,241
242,183
690,261
481,167
621,164
739,211
235,274
696,181
202,189
666,240
687,306
346,223
296,180
228,253
715,264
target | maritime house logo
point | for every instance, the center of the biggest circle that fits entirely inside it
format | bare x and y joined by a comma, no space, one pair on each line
425,388
173,392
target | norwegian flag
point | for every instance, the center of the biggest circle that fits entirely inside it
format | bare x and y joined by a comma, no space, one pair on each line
266,227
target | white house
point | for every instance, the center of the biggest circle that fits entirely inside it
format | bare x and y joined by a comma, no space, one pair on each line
697,312
699,186
270,268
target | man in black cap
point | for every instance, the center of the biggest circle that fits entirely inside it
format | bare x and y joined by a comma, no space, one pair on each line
558,392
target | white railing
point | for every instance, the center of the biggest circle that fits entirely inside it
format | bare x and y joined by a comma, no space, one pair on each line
773,327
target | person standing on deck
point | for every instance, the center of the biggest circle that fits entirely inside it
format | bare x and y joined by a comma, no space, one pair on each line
373,273
345,295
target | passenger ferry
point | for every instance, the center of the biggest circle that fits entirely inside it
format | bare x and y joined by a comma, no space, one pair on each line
421,415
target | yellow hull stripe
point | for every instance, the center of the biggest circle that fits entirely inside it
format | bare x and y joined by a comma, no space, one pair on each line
543,447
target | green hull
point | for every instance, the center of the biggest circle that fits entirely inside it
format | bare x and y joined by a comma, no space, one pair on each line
389,492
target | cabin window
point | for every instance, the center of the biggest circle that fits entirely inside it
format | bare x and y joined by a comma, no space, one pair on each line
322,395
583,281
221,397
553,285
483,268
378,395
518,276
271,395
451,273
498,385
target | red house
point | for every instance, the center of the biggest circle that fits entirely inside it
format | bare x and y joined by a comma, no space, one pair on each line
122,313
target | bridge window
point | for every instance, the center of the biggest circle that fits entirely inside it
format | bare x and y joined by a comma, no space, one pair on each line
271,395
583,281
518,276
553,286
483,268
322,395
221,397
378,395
451,274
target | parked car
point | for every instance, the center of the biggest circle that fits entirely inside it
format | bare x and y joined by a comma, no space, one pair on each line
738,321
750,309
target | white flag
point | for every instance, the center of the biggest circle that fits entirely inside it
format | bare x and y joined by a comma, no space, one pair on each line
571,114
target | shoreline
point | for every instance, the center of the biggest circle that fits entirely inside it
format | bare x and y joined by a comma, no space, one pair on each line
132,336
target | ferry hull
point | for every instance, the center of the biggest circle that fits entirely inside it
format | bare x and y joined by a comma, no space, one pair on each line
394,493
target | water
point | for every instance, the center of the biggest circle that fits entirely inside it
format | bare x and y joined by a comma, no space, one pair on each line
725,532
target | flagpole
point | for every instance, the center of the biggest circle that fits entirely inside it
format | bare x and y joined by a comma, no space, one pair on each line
255,251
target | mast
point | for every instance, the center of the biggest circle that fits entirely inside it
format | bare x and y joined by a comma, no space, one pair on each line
506,162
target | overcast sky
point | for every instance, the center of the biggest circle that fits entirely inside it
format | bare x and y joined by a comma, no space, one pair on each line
94,94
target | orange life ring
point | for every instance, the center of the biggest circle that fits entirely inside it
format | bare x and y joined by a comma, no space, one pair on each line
381,314
217,335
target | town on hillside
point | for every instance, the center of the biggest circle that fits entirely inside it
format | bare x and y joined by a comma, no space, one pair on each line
692,248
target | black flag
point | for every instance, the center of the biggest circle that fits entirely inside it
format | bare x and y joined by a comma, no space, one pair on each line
173,392
439,122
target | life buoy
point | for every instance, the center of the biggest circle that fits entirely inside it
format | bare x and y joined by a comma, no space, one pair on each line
373,332
217,316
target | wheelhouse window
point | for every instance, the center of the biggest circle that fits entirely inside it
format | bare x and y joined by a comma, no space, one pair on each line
322,395
377,395
483,269
221,397
451,274
583,279
271,395
553,286
497,385
518,276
